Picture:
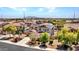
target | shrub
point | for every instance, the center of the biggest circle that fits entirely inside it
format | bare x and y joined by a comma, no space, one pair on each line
66,37
44,37
33,36
10,28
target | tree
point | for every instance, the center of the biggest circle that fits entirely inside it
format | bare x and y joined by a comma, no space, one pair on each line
58,23
44,37
20,30
67,38
10,28
77,40
33,36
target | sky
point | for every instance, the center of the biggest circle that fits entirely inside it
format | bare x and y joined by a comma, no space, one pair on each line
53,12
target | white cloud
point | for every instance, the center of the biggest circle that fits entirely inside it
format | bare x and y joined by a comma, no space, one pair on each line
14,8
51,9
40,9
18,8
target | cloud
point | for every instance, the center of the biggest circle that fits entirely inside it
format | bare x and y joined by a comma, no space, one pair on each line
51,9
18,8
41,9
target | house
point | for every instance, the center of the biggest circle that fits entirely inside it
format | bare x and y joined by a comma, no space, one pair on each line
3,23
45,27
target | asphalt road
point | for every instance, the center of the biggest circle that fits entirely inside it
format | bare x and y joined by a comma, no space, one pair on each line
10,47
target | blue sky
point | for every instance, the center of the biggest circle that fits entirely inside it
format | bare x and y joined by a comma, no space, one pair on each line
56,12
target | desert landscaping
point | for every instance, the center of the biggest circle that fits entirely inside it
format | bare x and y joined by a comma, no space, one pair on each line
57,35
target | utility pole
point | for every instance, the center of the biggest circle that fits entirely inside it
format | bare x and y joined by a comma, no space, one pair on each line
74,15
24,15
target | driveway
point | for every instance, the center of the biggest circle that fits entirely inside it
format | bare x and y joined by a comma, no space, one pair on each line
11,47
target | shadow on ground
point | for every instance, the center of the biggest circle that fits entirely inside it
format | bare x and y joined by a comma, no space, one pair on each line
10,47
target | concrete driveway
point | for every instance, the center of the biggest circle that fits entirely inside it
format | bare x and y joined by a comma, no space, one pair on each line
11,47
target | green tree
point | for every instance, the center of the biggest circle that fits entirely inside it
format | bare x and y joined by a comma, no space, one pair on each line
58,23
77,36
20,30
44,37
67,38
10,28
